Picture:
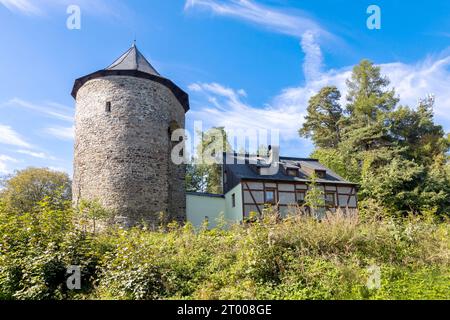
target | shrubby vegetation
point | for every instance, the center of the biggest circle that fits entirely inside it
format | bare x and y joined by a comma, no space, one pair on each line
297,258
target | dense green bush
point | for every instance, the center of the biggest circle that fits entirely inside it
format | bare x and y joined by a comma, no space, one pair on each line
298,258
36,250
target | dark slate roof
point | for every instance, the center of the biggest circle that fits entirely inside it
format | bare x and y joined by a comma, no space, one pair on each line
133,64
133,59
304,165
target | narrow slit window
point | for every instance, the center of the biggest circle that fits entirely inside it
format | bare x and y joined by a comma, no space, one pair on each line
108,106
233,200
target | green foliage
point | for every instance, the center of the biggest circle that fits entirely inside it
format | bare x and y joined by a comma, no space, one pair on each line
297,258
323,120
315,197
92,213
195,178
425,283
336,161
37,248
205,174
368,96
26,188
396,154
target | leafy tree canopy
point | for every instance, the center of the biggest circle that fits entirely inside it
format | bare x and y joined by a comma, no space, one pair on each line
23,190
205,174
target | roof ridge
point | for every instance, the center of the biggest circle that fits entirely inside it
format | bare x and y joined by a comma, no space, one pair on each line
234,154
137,62
121,58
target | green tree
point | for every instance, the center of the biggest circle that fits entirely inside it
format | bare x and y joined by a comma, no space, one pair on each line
447,167
315,197
195,178
26,188
436,187
324,118
91,213
333,158
416,131
396,153
369,102
368,93
205,174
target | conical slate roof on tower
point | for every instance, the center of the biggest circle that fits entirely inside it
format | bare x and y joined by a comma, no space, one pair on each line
133,64
133,59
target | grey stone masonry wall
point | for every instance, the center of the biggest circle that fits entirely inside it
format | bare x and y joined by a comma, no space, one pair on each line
122,157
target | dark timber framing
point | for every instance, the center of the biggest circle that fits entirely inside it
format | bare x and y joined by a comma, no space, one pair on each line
299,188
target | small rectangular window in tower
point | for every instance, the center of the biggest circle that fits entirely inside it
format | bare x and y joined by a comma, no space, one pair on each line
108,106
233,200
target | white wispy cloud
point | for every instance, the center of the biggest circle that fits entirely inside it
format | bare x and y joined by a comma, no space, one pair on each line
290,23
414,81
61,133
4,160
10,137
223,106
38,155
113,8
49,109
313,62
411,82
293,22
23,6
59,126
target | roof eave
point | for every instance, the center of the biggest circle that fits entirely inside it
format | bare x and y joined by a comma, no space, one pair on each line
268,178
182,96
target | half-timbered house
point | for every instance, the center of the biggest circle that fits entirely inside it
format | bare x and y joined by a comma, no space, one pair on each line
249,184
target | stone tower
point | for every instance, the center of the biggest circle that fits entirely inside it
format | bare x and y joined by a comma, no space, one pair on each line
124,118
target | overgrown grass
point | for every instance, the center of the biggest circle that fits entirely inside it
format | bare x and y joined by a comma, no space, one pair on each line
297,258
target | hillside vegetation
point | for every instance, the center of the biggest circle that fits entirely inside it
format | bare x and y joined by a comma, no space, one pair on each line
298,258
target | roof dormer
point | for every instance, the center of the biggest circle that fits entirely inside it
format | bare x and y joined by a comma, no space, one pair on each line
321,174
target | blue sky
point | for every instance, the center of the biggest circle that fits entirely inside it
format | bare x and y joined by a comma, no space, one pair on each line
244,63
